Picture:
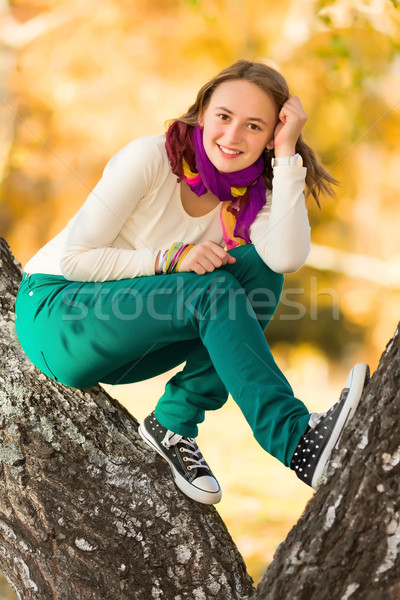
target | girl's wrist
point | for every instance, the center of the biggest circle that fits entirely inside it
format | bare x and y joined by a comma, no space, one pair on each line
169,260
156,264
160,261
285,150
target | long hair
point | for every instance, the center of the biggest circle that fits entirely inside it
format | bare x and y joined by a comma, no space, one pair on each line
318,179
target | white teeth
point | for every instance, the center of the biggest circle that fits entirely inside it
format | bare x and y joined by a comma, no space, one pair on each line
227,151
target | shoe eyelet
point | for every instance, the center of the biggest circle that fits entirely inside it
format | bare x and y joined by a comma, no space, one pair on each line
181,449
185,458
189,468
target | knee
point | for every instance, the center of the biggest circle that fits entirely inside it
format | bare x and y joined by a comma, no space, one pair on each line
257,278
219,282
266,276
216,293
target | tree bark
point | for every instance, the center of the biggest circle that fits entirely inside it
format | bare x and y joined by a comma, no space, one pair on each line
87,511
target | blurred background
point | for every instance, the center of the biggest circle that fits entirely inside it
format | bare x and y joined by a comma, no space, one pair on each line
79,80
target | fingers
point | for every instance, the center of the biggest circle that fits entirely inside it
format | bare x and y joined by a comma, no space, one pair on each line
293,108
292,118
205,258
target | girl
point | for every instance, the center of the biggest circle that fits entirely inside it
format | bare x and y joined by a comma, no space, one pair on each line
177,257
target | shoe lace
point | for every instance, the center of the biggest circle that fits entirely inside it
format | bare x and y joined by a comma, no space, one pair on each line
196,458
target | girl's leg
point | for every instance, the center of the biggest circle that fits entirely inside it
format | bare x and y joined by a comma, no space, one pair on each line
262,286
84,331
198,387
191,392
196,384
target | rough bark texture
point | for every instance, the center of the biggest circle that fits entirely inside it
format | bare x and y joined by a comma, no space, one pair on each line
88,512
347,543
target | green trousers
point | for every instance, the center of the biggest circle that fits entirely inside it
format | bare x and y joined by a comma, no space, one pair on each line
82,333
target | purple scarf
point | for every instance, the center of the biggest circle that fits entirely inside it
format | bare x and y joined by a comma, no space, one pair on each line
220,184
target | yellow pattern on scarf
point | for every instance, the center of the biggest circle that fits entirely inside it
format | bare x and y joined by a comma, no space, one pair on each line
228,218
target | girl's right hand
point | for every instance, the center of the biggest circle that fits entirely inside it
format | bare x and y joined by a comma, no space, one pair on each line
205,258
292,118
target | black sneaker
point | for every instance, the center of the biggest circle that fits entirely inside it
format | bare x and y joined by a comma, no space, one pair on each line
325,430
191,472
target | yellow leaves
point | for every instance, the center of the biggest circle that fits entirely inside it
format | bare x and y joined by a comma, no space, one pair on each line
91,76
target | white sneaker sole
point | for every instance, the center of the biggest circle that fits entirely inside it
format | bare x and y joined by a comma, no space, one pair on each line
190,490
355,382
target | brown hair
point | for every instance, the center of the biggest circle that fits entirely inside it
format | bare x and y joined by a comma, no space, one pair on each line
318,179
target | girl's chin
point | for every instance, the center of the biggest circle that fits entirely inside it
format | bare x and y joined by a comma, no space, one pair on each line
228,166
226,163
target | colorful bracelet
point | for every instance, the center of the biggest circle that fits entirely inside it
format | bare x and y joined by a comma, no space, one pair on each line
175,256
183,254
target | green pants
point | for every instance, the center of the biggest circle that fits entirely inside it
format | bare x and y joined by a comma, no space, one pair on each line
82,333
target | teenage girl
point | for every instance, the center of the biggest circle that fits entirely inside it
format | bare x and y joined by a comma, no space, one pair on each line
177,256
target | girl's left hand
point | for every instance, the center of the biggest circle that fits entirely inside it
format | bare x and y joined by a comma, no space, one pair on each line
292,118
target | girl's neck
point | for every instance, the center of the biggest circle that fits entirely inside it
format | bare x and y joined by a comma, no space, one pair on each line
197,206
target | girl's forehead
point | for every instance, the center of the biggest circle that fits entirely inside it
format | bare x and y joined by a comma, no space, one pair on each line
243,96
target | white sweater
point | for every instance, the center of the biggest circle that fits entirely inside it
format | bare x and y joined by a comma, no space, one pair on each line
136,209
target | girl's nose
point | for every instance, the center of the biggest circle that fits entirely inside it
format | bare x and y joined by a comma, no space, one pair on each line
233,134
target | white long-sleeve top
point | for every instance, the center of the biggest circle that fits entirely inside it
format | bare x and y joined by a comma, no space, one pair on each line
136,209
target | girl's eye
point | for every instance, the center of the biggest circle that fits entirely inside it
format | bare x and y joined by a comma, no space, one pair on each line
254,127
223,117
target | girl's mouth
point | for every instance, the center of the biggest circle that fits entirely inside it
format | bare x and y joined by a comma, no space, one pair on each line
228,152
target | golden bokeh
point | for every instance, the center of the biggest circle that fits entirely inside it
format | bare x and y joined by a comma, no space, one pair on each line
78,80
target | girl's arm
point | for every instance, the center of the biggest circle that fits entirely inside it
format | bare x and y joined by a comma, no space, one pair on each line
281,232
89,255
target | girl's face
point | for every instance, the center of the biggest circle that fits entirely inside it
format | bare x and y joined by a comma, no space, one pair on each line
238,124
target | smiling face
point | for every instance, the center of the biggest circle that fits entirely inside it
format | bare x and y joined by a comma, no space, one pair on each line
238,124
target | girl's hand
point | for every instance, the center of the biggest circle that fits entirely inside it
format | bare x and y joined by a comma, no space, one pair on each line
205,258
292,118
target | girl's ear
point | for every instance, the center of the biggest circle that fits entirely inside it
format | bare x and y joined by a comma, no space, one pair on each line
200,120
270,145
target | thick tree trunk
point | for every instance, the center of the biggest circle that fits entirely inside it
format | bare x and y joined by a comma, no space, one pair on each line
347,543
87,511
